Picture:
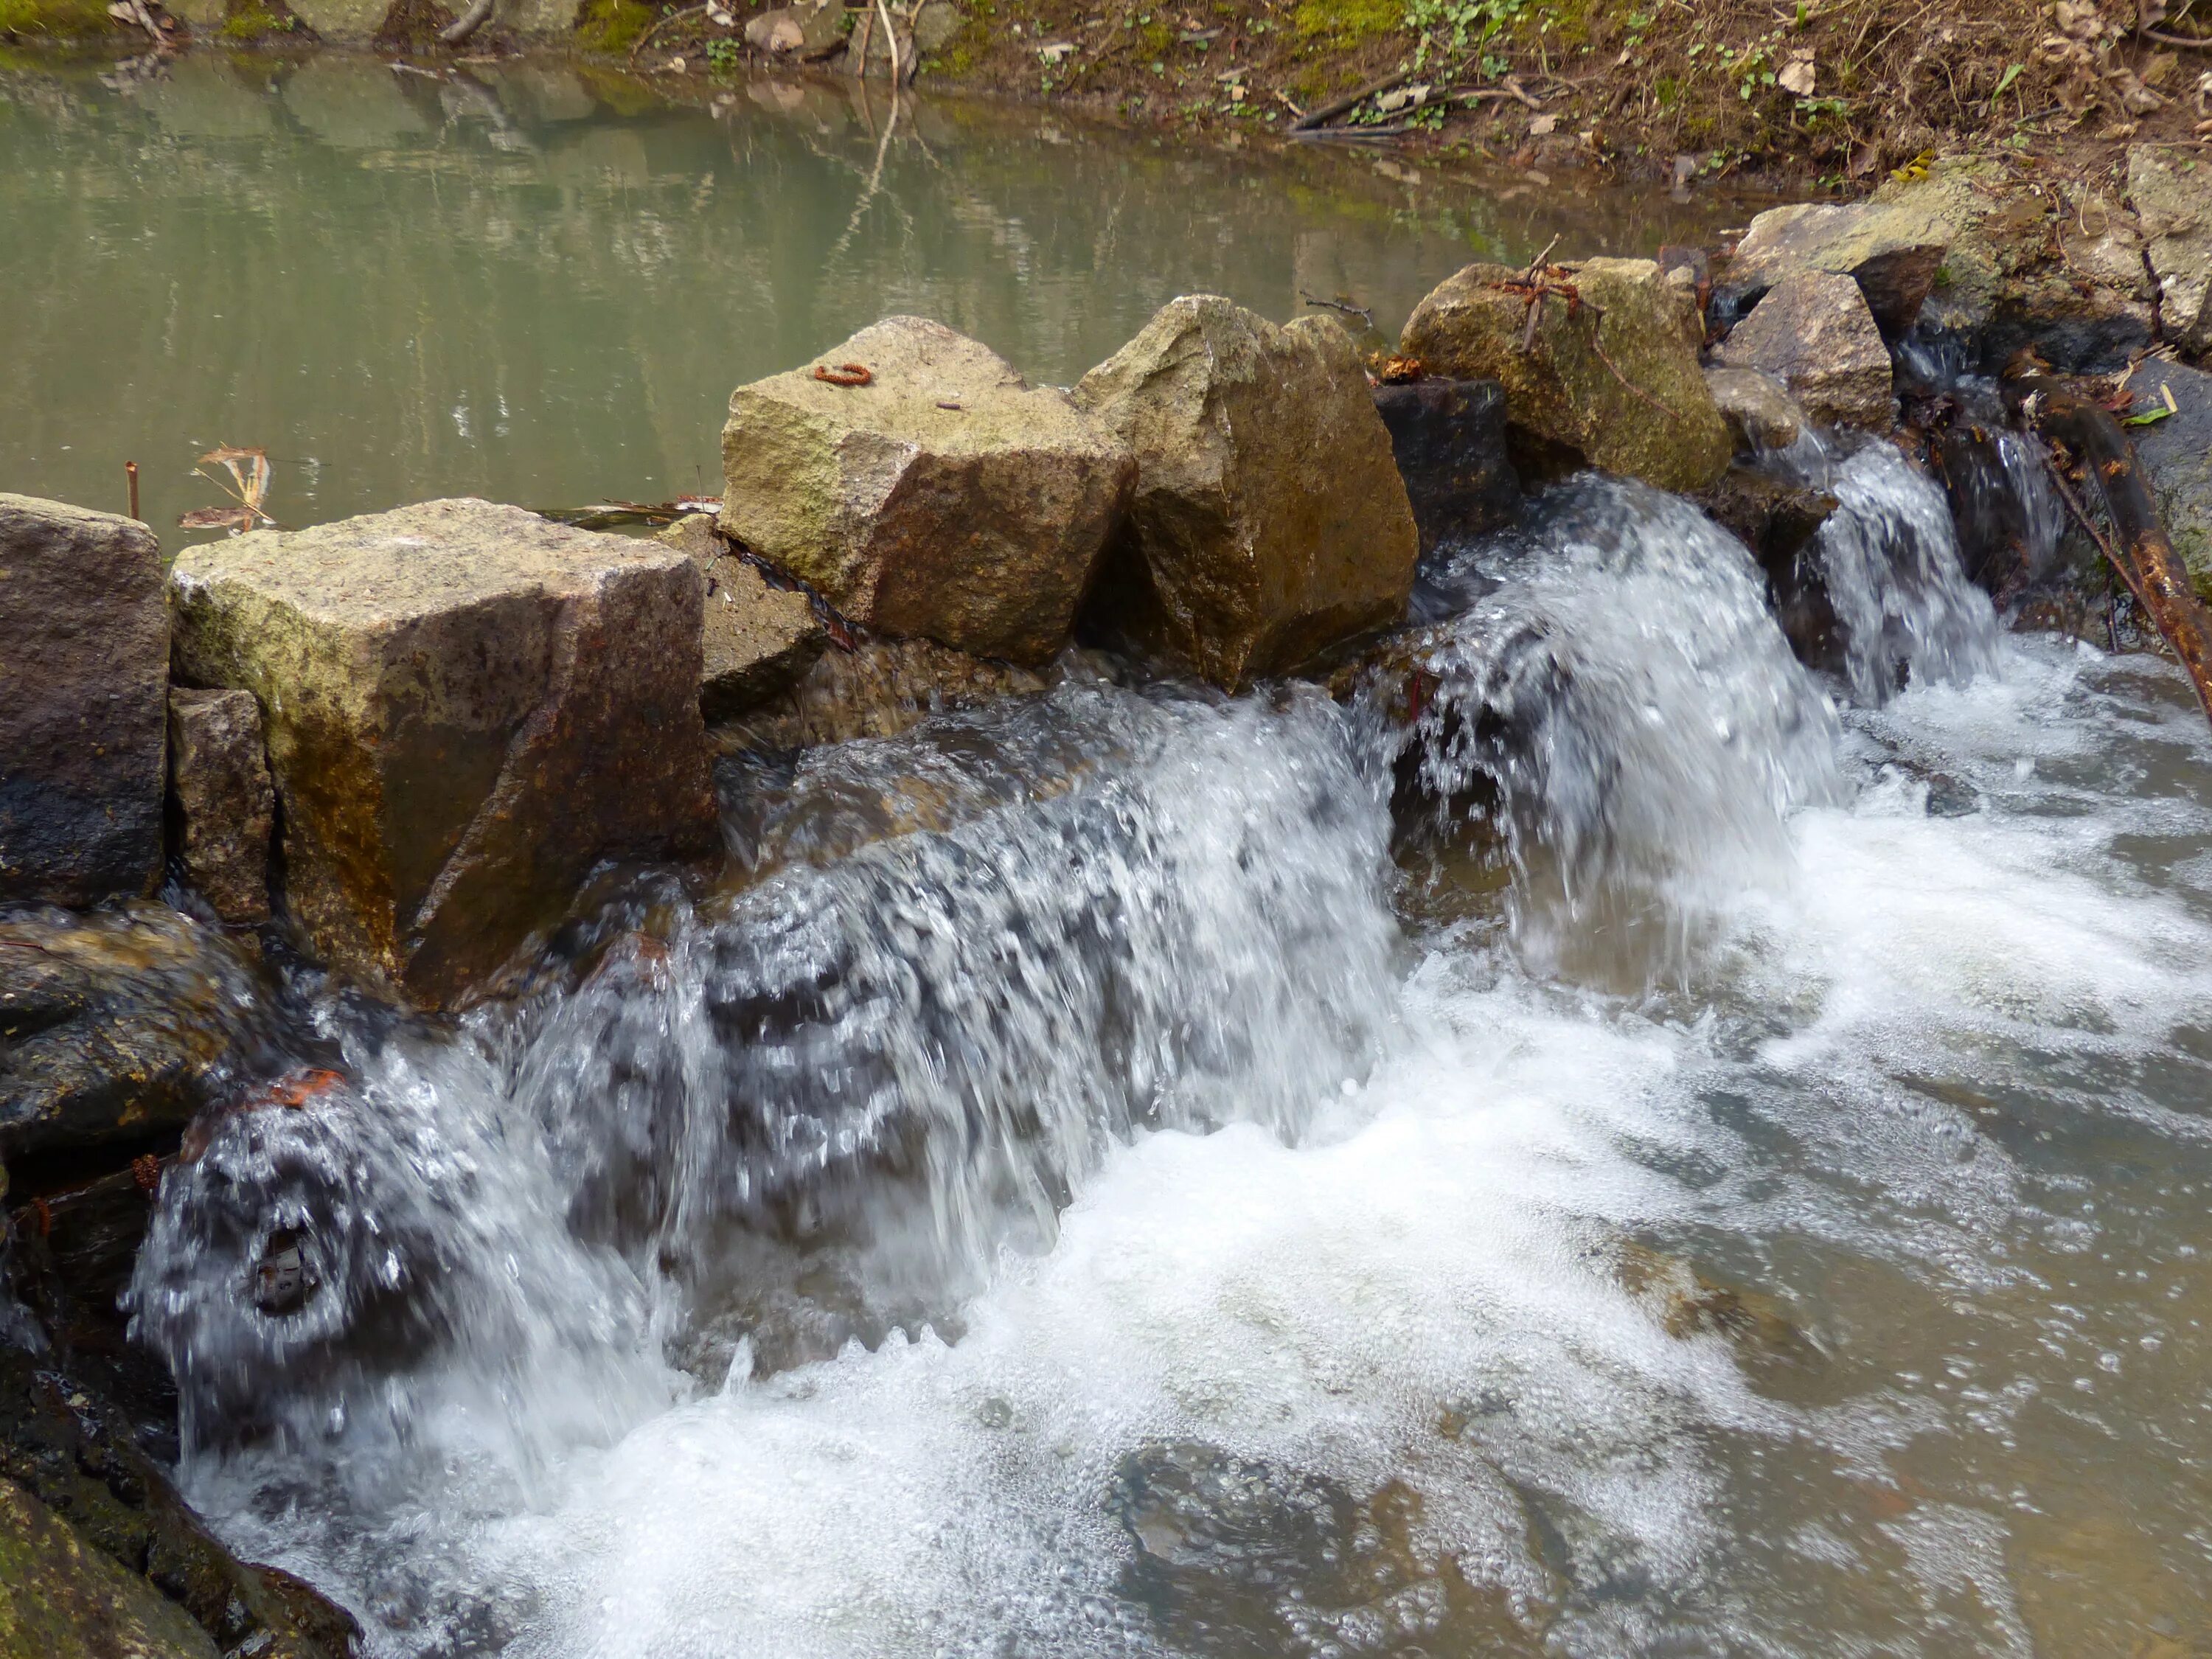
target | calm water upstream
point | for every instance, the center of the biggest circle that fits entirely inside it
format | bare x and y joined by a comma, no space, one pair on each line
1089,1177
523,285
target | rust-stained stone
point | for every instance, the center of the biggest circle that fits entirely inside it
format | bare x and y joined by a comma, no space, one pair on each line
226,806
467,706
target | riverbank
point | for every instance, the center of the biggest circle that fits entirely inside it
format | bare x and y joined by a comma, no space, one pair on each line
1828,99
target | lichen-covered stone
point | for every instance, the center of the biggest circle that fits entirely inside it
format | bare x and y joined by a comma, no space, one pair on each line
467,706
877,689
76,1456
1760,413
755,639
2177,459
1613,379
226,806
1813,332
84,669
2171,186
1269,520
1892,260
61,1599
946,499
1449,439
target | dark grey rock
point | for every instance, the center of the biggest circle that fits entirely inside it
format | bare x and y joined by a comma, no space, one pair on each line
84,668
1449,439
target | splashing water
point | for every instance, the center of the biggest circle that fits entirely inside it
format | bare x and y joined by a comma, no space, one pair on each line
1613,675
1042,1199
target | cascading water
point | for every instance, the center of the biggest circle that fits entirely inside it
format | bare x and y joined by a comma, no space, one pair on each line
1611,671
1043,1199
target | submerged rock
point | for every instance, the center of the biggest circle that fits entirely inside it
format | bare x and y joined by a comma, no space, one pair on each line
1448,438
84,644
1813,331
756,640
938,495
2177,459
225,804
1760,413
1891,257
1269,519
877,689
2171,186
1611,377
467,706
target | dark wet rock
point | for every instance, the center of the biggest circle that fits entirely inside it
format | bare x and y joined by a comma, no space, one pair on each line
1612,378
468,707
1690,1302
2177,458
118,1028
61,1599
876,689
75,1455
1779,522
84,646
1269,520
1891,257
225,805
2171,186
1448,438
1813,332
71,1250
940,497
1760,413
1999,548
2005,281
757,639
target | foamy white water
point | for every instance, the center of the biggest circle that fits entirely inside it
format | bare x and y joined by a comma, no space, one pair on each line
1390,1290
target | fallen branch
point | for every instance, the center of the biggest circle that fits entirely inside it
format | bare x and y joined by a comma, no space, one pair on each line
658,24
2166,39
2144,557
467,23
1364,313
1352,100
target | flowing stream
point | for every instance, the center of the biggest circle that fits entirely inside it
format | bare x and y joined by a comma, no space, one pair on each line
1602,1141
1718,1167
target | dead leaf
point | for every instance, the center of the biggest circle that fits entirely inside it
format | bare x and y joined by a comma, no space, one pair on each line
1541,126
1796,76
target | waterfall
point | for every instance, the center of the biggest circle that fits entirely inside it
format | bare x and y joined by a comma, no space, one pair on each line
1610,671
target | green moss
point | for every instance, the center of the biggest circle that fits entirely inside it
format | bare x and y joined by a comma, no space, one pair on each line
252,23
54,18
611,26
1346,23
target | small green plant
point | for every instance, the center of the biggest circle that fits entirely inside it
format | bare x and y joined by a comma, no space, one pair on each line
723,56
1461,23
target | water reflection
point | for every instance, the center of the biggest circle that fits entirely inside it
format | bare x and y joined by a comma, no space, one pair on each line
540,285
